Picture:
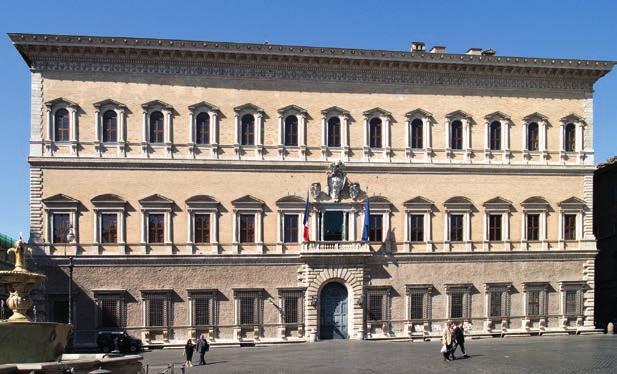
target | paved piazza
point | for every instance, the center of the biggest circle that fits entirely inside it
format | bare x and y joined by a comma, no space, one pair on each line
557,354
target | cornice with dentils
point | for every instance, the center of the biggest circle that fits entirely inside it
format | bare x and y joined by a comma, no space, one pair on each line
32,46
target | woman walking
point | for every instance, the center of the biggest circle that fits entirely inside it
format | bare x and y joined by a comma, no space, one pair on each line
189,348
446,340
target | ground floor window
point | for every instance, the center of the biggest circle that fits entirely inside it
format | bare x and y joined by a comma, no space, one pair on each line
157,307
58,308
536,296
203,307
292,303
419,302
459,299
378,304
112,310
248,307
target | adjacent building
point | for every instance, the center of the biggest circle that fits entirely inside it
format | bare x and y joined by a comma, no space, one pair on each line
174,180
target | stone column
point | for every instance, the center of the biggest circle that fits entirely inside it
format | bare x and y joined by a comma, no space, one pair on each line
97,126
191,131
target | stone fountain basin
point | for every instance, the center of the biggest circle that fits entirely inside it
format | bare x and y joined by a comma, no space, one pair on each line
15,277
32,342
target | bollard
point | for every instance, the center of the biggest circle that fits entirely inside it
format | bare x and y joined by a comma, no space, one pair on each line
610,328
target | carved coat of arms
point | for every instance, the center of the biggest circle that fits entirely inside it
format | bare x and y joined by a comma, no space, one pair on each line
337,179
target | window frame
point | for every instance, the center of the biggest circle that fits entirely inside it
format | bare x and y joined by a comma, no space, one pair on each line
503,291
248,205
120,298
257,295
160,295
542,288
197,294
426,292
156,204
384,294
465,289
291,293
579,288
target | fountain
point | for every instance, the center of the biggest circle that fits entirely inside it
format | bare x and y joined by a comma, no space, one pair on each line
21,340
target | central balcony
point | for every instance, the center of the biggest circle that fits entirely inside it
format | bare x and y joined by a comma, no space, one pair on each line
335,248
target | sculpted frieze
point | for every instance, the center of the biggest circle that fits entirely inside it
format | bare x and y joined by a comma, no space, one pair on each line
321,73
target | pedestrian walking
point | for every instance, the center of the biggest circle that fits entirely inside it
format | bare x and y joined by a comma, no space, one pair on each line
189,348
459,340
202,348
446,340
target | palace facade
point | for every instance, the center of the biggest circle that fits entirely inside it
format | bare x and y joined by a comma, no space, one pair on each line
171,178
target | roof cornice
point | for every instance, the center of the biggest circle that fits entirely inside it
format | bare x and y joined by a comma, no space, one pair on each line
31,45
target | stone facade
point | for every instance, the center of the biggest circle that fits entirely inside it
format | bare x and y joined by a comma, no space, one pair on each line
447,138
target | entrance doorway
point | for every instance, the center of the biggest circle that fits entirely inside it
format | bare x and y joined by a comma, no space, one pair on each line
333,312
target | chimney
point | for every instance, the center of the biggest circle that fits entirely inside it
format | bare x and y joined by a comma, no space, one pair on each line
488,52
474,51
438,49
418,47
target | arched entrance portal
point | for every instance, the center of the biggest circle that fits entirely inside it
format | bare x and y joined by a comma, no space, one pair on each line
333,312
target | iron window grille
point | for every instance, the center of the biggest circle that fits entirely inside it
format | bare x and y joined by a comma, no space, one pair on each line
204,308
292,305
536,299
112,310
249,308
419,302
378,304
533,303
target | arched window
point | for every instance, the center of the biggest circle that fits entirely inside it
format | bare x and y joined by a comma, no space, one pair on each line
375,133
247,130
570,137
291,130
416,133
456,135
533,136
61,128
334,132
495,136
110,126
157,127
202,128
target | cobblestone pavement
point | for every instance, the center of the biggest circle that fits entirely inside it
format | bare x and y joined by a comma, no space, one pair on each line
557,354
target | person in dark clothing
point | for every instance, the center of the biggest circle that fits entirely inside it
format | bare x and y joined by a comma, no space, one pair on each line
188,352
202,348
459,340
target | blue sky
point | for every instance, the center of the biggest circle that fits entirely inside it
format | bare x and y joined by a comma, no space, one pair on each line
560,29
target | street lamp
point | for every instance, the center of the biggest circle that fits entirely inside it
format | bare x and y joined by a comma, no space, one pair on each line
70,237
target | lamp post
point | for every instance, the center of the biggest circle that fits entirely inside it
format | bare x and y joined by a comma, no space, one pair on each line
70,237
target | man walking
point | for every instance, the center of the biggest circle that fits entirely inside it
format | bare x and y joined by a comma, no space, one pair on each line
459,340
202,348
